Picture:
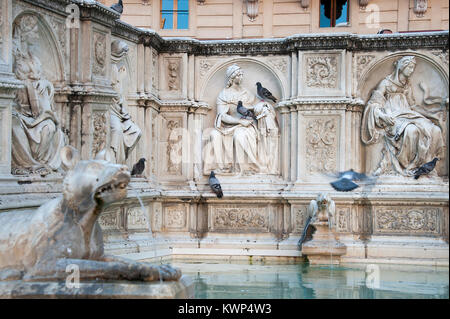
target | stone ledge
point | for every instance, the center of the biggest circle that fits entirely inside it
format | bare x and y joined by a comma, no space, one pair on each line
182,289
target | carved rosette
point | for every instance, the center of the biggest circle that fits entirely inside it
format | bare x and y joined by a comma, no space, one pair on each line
99,65
240,219
321,145
414,221
99,132
321,72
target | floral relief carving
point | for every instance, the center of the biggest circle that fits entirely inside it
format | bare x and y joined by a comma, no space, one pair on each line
157,219
174,151
99,132
60,28
99,66
239,218
443,55
280,64
362,62
108,220
321,72
155,70
404,220
173,81
205,66
299,219
343,220
136,219
175,217
321,146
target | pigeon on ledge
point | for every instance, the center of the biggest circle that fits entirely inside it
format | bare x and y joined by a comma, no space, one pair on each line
138,168
425,168
215,185
264,93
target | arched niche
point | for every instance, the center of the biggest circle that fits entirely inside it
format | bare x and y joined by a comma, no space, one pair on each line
428,71
254,71
47,50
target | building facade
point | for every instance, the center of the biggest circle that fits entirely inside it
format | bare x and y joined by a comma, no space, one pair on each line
236,19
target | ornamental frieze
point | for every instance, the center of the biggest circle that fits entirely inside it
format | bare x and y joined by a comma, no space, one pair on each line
240,218
417,220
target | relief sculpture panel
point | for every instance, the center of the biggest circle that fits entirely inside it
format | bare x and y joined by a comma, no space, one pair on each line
238,218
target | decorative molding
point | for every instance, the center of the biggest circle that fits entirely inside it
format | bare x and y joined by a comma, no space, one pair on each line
412,221
305,4
252,9
363,4
420,7
321,71
321,145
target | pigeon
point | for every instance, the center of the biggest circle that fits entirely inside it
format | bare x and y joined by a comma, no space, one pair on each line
138,168
118,7
425,168
215,185
345,182
308,231
264,93
244,111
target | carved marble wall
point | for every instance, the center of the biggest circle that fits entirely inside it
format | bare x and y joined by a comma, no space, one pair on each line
323,85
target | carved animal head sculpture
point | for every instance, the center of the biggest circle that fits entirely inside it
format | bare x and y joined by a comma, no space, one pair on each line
39,245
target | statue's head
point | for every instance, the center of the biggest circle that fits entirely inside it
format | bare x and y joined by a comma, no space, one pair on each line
405,65
92,183
25,33
234,72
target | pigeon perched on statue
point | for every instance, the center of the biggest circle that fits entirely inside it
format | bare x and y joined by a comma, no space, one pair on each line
264,93
425,168
138,168
215,185
244,111
118,7
346,183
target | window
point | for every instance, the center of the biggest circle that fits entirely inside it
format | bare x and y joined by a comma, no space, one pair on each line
174,14
333,13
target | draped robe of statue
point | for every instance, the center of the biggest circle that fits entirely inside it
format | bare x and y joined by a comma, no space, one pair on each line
228,138
412,139
37,137
124,132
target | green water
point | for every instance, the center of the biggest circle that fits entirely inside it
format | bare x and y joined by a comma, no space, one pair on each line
300,281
